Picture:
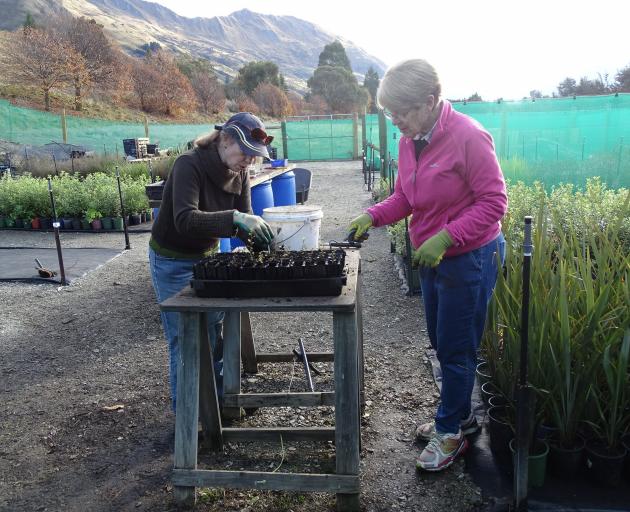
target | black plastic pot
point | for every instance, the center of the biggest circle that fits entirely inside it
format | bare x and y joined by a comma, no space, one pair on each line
566,461
488,390
501,433
44,223
605,466
625,441
483,374
497,400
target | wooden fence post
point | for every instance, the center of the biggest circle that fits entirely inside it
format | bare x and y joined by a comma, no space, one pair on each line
285,145
355,136
64,129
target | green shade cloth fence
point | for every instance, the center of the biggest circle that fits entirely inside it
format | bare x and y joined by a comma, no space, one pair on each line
553,140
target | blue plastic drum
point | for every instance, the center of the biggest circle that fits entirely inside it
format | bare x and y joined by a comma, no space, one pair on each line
225,245
262,197
284,189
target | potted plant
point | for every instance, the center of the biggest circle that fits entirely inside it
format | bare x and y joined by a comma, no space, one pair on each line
94,218
611,398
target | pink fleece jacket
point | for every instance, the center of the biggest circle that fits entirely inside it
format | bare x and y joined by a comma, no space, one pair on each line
456,184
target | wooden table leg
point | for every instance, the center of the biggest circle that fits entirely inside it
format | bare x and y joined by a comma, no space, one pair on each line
232,360
208,399
346,403
248,349
359,314
187,402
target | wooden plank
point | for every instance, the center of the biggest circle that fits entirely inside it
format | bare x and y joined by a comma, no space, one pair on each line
232,360
269,174
208,399
186,300
248,348
265,480
272,434
346,403
187,402
280,399
313,357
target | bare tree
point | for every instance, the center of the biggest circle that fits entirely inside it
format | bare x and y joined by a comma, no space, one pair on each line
210,92
86,38
272,100
173,88
144,78
38,57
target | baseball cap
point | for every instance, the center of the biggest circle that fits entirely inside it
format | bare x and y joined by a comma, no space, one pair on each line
249,132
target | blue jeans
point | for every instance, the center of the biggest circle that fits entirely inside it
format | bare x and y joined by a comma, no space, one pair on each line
170,276
456,294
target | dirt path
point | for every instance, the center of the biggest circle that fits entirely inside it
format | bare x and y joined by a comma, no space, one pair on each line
68,355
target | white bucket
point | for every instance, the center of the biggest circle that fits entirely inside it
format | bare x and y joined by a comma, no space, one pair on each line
296,228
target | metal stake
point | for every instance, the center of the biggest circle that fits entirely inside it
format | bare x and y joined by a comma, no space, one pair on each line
524,410
56,225
122,211
307,370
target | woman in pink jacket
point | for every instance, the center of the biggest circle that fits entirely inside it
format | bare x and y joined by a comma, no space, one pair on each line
450,181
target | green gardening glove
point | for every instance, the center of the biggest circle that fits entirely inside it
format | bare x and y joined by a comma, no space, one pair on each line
360,225
253,225
430,253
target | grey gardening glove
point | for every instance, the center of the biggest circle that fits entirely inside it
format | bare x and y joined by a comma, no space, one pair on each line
254,226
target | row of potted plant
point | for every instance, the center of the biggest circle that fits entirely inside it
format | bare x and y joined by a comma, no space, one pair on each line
579,328
81,203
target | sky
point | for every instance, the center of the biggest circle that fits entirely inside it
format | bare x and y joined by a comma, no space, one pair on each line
499,49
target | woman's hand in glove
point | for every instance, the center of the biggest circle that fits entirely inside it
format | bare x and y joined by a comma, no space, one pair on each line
253,225
430,253
360,225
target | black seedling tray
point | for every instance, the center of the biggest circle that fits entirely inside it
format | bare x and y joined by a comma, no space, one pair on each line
323,286
273,274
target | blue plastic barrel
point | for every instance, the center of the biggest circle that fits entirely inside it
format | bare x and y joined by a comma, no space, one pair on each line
225,245
284,189
262,197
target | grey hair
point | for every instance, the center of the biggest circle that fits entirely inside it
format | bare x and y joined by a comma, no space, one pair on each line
408,84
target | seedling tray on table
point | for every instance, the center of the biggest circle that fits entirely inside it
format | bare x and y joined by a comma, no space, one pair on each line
270,274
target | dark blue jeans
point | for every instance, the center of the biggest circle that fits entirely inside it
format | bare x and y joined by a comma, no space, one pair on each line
456,294
170,276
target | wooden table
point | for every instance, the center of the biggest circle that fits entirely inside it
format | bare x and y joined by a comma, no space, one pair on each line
197,397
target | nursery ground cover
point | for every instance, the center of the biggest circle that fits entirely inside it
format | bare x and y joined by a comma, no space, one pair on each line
18,263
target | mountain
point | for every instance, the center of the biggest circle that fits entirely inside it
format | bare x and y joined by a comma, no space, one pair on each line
228,42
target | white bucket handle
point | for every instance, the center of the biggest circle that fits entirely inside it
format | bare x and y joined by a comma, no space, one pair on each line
306,222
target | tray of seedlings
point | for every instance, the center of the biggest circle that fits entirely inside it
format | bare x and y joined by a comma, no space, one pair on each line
270,274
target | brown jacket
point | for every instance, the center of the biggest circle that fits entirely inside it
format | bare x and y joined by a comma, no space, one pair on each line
198,203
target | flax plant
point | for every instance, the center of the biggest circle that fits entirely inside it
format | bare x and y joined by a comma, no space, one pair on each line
579,308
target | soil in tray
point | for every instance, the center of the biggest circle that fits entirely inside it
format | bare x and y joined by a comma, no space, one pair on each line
278,265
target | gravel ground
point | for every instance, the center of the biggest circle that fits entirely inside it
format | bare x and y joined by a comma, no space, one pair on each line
85,418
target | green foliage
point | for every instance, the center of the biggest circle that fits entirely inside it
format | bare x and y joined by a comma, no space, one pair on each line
255,73
92,197
190,65
29,21
334,81
334,55
579,301
397,233
339,87
371,83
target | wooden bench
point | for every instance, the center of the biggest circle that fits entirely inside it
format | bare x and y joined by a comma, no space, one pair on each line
197,397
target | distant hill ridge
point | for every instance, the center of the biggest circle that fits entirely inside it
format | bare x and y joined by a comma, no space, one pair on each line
228,42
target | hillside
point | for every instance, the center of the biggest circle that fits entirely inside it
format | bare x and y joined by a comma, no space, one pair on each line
228,42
